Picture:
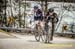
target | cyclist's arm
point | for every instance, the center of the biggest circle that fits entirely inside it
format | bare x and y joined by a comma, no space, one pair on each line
55,15
46,16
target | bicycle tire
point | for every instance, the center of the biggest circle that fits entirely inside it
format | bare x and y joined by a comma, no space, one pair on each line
37,37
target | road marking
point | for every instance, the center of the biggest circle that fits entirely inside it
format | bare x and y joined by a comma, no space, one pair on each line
58,45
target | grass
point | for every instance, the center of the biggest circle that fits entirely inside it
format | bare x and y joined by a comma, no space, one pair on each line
2,30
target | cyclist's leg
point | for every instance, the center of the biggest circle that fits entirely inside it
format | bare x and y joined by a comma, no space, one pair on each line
46,32
52,30
49,31
37,34
37,37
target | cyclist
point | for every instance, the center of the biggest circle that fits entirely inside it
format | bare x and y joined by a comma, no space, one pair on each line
38,17
52,17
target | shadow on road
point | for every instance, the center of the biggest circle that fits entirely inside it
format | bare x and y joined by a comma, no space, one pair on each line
39,42
31,40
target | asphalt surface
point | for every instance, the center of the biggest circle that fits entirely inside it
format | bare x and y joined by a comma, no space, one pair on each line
22,41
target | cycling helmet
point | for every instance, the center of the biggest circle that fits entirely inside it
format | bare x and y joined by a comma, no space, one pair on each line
35,7
51,10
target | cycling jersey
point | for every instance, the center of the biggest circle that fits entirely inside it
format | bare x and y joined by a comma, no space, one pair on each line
49,17
38,15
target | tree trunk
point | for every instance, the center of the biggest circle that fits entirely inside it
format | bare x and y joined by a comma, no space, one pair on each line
5,17
19,14
24,12
46,7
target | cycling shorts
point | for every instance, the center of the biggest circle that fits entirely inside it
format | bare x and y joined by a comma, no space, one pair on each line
38,18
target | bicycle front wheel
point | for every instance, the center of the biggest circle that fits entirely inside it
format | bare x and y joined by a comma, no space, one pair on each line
37,36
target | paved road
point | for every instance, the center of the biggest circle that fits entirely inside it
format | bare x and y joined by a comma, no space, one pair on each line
28,42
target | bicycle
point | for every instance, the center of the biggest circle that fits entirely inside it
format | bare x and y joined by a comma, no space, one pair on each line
42,32
39,33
